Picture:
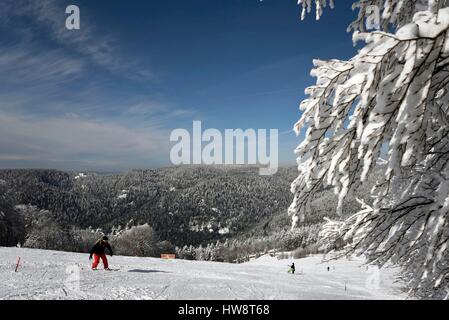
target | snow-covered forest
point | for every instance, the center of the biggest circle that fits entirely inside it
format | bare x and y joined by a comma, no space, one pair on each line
208,213
389,101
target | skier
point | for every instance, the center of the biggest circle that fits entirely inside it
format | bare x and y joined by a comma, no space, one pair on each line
98,251
292,268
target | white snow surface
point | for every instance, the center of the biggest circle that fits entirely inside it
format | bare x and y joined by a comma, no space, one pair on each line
223,231
54,275
80,176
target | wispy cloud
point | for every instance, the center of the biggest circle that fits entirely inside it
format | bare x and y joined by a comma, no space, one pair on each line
23,65
75,139
101,49
61,104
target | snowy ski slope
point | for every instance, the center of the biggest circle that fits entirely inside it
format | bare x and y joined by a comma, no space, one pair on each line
60,275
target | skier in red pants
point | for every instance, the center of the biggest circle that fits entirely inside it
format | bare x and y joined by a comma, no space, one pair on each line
98,251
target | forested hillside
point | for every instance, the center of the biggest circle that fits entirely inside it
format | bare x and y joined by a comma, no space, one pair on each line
186,206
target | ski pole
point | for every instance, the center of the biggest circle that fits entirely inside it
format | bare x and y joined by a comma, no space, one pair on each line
17,265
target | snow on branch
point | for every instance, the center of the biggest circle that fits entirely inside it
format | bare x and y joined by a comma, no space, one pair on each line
319,6
391,98
392,14
338,235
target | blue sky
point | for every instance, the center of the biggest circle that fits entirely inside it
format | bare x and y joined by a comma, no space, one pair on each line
106,97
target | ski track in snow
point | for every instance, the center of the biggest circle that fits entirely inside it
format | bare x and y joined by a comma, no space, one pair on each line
46,275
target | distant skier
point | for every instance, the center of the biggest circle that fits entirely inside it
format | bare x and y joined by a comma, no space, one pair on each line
98,251
292,268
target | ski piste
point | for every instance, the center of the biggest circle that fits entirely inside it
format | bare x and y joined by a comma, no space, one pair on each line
43,273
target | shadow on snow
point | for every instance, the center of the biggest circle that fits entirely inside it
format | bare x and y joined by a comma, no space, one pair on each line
147,271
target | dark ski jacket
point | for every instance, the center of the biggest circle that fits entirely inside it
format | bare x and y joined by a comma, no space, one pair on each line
100,247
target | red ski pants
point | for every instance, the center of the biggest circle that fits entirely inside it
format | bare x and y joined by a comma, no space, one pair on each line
97,261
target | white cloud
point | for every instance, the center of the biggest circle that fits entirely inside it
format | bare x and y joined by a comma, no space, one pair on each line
57,111
75,139
23,65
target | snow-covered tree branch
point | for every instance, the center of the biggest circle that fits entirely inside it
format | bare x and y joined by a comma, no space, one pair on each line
391,98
